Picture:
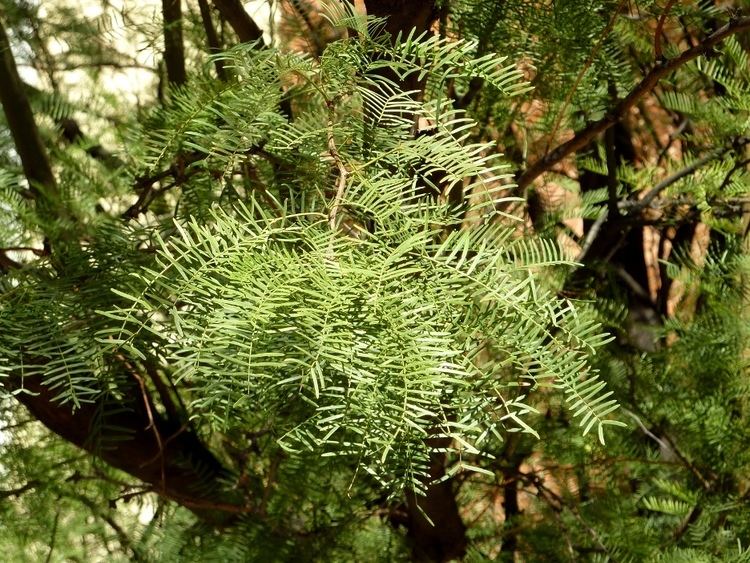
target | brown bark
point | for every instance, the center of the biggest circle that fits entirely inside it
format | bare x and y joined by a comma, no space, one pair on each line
174,51
36,166
242,24
212,39
404,15
163,454
443,536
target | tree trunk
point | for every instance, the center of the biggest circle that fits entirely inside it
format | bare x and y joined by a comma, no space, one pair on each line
443,536
174,51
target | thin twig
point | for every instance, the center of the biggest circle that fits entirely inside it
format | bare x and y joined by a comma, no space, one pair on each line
53,539
672,138
152,425
736,168
559,504
609,146
19,491
584,70
343,172
592,234
654,192
667,444
660,28
122,536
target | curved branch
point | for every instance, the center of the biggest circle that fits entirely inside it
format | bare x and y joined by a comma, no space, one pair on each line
660,70
28,142
241,22
181,469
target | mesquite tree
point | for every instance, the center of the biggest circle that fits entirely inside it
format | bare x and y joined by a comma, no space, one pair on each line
407,280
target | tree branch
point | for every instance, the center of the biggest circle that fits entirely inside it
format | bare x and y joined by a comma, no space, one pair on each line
174,51
660,70
73,134
343,172
122,537
585,68
660,29
36,166
181,468
211,38
7,493
242,24
654,192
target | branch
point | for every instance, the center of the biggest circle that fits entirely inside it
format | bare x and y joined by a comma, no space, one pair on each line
122,536
181,468
211,38
737,167
7,493
558,504
145,184
179,172
632,207
71,66
660,29
73,134
242,24
584,69
36,166
174,51
343,172
302,9
592,234
660,70
609,145
654,192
